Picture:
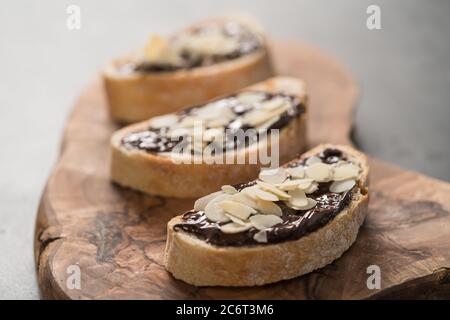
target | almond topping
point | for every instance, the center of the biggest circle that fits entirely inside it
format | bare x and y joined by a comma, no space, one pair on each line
260,194
163,121
236,220
244,198
273,176
311,204
201,203
288,185
320,172
268,207
296,172
272,189
312,160
213,212
250,97
274,103
229,189
233,227
305,184
298,198
346,171
237,209
342,186
260,236
264,221
312,188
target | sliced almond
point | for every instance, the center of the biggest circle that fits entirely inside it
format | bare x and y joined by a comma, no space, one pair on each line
319,172
201,203
288,185
237,209
268,207
233,227
346,171
245,198
296,172
298,198
256,192
229,189
236,220
264,221
260,236
163,121
305,184
273,176
250,97
342,186
312,160
312,188
273,104
272,189
213,212
256,117
309,205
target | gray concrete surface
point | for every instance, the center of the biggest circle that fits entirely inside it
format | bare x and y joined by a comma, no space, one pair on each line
403,71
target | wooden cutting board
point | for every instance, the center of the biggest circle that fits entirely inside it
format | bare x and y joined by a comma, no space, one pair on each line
117,236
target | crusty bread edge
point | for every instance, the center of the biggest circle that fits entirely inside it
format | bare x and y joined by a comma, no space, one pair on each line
194,261
159,175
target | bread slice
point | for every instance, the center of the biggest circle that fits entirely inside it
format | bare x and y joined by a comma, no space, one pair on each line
156,174
136,96
195,261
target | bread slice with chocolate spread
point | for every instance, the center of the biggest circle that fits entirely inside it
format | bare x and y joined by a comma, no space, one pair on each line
285,224
226,141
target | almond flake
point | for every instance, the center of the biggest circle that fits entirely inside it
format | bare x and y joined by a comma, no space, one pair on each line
264,221
163,121
260,236
272,189
233,227
274,103
229,189
237,209
250,97
212,134
256,192
342,186
273,176
311,204
244,198
256,117
298,198
320,172
296,172
305,184
201,203
236,220
346,171
268,207
288,185
213,212
312,160
312,188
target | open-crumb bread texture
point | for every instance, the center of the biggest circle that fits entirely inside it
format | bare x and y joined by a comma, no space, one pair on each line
135,95
157,174
200,263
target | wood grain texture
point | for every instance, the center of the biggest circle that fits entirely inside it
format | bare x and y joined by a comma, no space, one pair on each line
117,236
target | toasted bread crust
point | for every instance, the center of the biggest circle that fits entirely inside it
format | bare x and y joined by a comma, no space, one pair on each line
159,175
136,97
194,261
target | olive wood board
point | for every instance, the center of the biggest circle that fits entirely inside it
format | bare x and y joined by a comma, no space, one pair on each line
116,236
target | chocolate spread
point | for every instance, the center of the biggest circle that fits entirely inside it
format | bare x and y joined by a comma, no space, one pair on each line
296,223
156,140
247,40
